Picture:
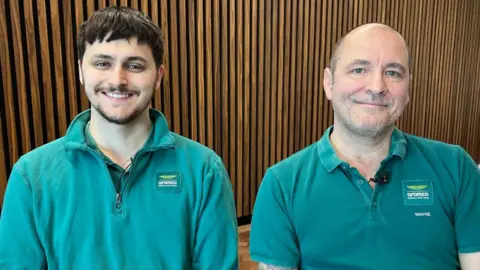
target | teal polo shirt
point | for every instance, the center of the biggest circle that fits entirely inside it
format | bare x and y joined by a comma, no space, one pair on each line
314,211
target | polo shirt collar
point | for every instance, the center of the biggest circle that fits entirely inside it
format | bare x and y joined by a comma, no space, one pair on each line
330,160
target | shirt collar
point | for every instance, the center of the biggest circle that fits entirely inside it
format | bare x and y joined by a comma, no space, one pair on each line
330,160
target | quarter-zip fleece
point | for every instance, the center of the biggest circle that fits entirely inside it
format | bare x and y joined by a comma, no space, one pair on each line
175,210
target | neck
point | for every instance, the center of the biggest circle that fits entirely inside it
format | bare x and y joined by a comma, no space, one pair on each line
364,153
119,142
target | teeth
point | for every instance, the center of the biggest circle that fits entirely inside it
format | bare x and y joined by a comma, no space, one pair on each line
117,95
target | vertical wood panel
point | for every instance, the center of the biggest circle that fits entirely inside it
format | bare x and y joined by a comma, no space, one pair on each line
3,173
273,83
266,87
303,108
21,91
217,97
174,63
279,84
134,3
184,61
201,72
232,100
208,73
33,72
298,77
316,71
328,42
61,122
239,104
292,89
224,73
244,77
10,136
245,165
81,14
310,56
70,63
260,85
166,88
253,168
192,75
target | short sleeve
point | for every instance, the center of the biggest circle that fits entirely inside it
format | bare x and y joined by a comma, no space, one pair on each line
272,237
467,206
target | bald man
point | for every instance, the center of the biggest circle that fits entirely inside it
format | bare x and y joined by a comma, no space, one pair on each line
367,195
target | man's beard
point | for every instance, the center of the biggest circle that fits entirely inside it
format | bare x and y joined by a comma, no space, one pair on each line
121,120
124,120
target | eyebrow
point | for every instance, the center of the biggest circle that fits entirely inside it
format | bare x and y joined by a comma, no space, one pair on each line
396,65
361,62
109,57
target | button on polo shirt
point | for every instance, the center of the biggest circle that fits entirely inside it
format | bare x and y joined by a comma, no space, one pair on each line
314,211
118,174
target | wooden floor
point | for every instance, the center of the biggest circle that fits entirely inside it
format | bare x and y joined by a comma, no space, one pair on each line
243,243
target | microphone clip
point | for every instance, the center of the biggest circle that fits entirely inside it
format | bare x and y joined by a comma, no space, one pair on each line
381,178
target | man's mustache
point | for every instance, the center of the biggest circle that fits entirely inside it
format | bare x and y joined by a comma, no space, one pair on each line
373,99
121,89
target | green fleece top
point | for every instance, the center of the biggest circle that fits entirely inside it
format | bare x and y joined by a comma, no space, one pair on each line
175,211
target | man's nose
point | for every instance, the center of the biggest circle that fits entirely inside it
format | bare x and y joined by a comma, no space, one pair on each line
377,84
119,78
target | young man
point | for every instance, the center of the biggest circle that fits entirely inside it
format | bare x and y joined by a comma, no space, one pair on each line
119,190
366,195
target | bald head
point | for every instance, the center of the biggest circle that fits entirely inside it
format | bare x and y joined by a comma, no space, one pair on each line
367,31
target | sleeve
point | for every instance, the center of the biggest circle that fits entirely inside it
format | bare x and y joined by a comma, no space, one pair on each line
216,240
467,206
20,247
273,239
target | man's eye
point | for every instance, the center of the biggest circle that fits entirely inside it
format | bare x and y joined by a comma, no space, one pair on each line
135,67
102,65
358,70
395,74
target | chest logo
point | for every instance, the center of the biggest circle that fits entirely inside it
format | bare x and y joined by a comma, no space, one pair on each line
417,192
169,182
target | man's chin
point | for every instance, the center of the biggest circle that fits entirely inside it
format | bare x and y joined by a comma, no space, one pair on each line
120,118
370,129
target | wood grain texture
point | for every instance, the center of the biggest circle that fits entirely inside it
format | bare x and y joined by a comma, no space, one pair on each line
244,77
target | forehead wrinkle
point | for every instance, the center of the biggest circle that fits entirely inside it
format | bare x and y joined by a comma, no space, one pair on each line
360,33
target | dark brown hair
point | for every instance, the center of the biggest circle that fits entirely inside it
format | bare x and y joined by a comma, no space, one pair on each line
121,23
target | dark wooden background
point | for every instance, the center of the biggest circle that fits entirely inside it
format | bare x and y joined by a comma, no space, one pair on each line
244,77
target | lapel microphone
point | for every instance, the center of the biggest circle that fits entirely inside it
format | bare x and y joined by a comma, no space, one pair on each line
381,178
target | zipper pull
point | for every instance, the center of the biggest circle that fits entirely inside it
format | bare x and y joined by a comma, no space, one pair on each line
118,203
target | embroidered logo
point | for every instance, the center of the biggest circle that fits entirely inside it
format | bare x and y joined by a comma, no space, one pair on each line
169,182
417,192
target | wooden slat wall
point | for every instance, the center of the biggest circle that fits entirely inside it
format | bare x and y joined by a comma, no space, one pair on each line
243,77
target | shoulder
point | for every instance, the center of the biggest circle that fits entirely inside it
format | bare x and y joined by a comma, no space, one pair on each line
294,171
297,161
426,144
49,154
188,149
441,156
434,151
41,163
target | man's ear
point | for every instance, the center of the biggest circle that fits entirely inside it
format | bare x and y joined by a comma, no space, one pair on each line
80,73
160,72
410,78
328,82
